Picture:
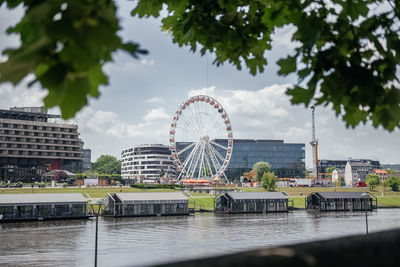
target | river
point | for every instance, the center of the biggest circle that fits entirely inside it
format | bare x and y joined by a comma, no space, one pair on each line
152,240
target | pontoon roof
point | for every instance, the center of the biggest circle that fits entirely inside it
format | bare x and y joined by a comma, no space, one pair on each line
7,199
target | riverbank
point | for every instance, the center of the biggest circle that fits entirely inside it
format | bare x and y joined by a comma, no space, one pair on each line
386,199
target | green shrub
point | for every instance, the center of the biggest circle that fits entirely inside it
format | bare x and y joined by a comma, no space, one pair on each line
393,183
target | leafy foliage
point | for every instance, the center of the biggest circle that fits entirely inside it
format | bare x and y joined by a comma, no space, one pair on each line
330,169
94,174
346,56
372,181
259,168
65,44
393,183
341,181
347,53
268,181
107,164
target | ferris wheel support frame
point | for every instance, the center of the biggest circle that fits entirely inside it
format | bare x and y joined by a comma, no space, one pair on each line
204,160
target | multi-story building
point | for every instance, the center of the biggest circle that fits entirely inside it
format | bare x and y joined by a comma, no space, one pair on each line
323,164
356,170
147,163
286,159
86,159
30,144
382,174
340,165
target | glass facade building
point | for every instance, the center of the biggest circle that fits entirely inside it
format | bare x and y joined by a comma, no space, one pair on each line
287,160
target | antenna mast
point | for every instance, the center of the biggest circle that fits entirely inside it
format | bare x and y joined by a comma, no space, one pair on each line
314,145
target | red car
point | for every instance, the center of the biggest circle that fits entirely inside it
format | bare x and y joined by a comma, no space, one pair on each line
361,184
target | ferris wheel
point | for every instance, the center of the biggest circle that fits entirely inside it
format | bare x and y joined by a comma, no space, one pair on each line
201,140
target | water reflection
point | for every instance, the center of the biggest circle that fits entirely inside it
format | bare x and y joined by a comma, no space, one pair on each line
150,240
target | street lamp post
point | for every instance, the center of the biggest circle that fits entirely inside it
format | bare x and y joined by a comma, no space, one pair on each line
365,197
99,203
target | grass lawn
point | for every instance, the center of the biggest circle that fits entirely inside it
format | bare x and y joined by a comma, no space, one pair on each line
205,203
388,201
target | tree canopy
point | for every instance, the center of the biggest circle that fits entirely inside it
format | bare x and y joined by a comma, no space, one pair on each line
268,181
372,181
341,181
346,52
259,168
330,169
393,183
107,164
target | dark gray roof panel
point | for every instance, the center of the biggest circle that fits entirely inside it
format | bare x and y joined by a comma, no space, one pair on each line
257,195
8,199
342,195
152,198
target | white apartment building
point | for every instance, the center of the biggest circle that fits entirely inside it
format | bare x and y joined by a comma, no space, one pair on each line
144,163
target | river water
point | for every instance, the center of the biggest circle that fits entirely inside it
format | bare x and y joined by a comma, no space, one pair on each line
152,240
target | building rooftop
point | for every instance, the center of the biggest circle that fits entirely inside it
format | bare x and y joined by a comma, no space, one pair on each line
257,195
380,171
342,195
152,197
27,114
7,199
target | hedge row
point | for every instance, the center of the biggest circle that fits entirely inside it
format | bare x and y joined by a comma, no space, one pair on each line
156,186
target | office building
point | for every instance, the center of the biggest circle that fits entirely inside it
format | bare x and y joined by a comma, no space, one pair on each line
323,164
146,163
286,159
31,144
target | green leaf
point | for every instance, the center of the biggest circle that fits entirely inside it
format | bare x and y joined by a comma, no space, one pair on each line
14,72
287,65
147,8
354,8
41,69
300,95
96,77
354,116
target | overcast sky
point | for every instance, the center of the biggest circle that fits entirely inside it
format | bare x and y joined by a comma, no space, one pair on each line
138,104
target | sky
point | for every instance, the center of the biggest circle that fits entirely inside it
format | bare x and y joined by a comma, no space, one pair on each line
138,104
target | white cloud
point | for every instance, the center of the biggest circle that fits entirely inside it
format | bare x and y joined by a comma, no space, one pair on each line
129,66
362,133
283,37
154,125
156,114
264,108
148,62
21,95
154,100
